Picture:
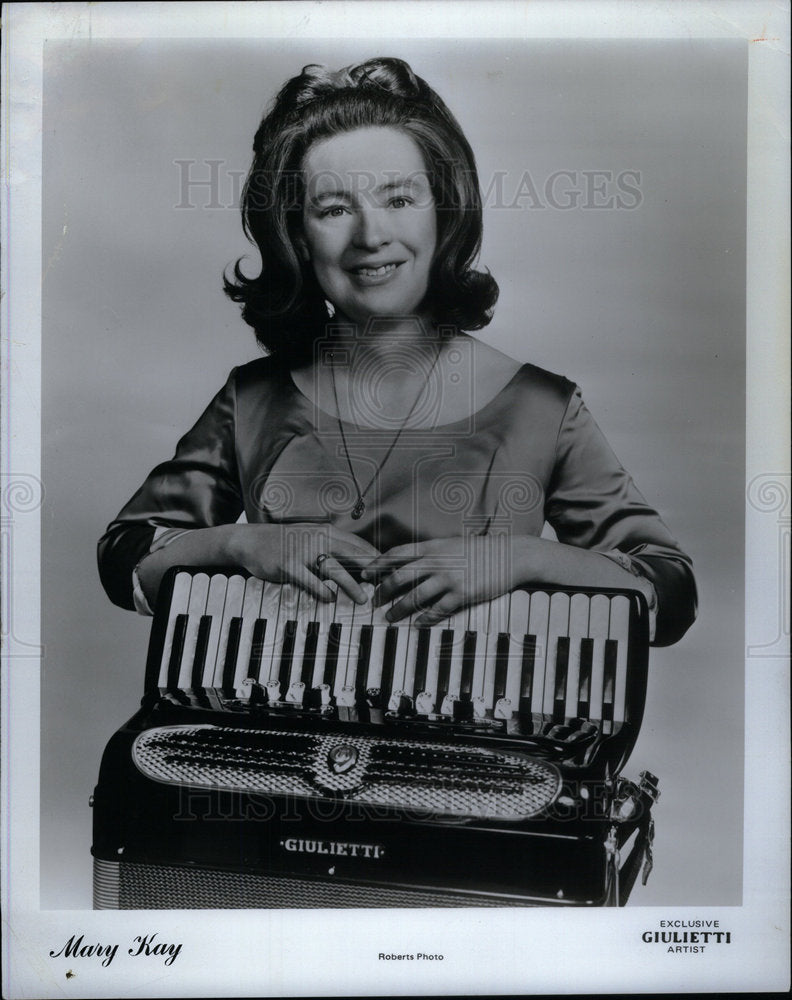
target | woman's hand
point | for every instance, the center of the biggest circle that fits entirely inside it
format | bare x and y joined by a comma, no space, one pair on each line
436,578
293,553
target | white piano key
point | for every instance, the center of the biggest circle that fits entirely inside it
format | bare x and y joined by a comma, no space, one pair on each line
398,687
599,625
294,687
558,626
379,627
272,597
411,652
305,611
427,697
361,615
287,612
232,608
180,599
309,622
619,630
325,615
387,666
499,624
458,624
215,603
517,627
364,616
578,629
195,609
345,617
538,622
251,606
479,622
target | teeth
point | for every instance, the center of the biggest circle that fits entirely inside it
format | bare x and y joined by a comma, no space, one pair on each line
375,272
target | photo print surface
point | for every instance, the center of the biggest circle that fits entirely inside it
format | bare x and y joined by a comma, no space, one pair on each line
612,178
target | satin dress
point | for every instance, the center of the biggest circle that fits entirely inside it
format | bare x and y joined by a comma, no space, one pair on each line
532,454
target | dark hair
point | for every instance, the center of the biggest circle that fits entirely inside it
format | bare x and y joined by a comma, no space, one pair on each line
285,304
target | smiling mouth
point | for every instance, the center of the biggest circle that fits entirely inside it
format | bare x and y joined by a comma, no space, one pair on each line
374,272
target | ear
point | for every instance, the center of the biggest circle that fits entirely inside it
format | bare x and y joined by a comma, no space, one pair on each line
302,249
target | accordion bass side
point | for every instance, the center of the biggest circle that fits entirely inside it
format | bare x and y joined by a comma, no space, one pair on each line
290,752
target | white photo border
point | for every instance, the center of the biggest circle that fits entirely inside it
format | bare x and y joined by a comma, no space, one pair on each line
493,951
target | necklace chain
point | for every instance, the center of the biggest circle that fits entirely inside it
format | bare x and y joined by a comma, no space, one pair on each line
360,505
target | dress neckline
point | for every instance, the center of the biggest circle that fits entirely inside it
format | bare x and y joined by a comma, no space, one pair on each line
434,428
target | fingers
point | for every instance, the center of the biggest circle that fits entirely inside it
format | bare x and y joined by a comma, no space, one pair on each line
351,562
332,569
309,581
430,600
390,560
319,558
344,542
396,582
446,606
283,553
346,553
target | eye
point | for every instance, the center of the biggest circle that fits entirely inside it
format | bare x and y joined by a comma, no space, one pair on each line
333,212
400,202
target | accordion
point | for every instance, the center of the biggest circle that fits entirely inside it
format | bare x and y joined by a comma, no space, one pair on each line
295,753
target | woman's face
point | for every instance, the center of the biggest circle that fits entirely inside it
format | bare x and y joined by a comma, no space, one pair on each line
369,222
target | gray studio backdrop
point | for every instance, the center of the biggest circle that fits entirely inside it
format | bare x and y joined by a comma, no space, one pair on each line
642,305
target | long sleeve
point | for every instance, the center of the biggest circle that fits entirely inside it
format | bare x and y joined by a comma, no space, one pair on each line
592,502
198,488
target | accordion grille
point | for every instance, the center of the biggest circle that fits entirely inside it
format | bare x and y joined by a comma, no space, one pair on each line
164,887
442,779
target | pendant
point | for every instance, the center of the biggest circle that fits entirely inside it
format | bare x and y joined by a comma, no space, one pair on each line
358,509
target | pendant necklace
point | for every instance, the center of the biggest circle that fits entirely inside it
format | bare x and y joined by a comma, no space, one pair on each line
359,508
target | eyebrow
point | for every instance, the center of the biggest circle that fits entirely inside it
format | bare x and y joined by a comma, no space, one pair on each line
401,183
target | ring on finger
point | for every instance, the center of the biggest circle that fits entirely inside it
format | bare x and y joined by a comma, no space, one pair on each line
320,559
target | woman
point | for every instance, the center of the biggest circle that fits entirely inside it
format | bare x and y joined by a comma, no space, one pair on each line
378,443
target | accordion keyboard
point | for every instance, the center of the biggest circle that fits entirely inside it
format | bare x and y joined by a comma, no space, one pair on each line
562,656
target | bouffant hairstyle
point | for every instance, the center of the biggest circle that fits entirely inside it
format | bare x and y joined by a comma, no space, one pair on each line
284,303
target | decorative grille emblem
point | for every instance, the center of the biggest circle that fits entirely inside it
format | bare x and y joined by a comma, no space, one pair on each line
438,777
342,758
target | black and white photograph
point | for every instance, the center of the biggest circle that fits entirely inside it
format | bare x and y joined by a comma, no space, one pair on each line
395,502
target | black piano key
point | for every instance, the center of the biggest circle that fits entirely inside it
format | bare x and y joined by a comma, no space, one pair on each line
374,702
444,665
331,656
468,666
421,659
177,649
388,662
406,707
584,680
527,674
309,655
501,665
199,660
561,671
364,656
287,655
257,650
312,699
232,649
609,680
463,710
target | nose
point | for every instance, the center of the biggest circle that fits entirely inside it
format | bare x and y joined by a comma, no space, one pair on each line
372,230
